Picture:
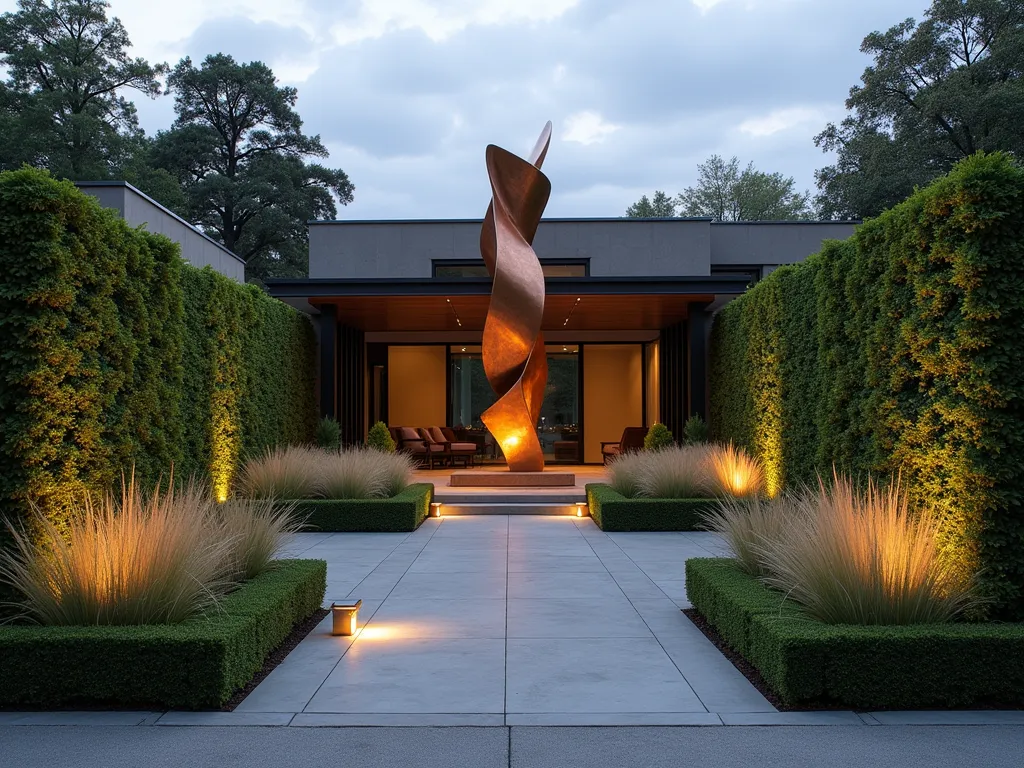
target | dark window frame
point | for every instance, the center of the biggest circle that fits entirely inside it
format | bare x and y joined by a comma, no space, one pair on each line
435,263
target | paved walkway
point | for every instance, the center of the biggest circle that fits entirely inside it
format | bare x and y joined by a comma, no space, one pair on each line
515,620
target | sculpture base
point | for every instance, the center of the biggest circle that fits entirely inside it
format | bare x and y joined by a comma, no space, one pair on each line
512,479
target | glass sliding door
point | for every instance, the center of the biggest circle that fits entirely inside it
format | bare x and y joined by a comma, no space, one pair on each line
558,424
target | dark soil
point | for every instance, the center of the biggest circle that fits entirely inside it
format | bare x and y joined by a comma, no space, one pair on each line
744,666
276,656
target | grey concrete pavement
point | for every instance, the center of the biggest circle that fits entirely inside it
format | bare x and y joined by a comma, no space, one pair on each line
518,747
541,620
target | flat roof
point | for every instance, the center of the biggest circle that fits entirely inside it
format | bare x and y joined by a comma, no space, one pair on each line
163,208
585,220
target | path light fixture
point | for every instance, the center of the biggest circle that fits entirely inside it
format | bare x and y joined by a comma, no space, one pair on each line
345,618
435,509
579,508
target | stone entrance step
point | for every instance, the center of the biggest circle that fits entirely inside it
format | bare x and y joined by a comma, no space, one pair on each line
461,508
506,479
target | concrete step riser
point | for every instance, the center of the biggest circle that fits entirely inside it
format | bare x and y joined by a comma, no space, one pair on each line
563,510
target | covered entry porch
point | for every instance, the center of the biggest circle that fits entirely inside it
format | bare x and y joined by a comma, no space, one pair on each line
622,353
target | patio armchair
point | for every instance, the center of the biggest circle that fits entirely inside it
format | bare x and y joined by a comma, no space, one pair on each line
459,449
410,441
632,440
439,448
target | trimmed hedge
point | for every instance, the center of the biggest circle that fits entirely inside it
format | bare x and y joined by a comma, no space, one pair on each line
807,662
116,354
614,512
899,350
404,511
197,664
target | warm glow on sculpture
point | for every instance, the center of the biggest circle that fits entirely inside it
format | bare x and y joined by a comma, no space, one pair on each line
514,358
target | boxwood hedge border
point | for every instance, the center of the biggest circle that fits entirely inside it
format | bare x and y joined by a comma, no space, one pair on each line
403,512
198,664
809,663
614,512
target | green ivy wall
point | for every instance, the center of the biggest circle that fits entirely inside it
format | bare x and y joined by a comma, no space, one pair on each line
116,354
900,350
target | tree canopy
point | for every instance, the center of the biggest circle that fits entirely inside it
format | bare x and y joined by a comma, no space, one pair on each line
238,150
936,92
235,162
660,207
62,106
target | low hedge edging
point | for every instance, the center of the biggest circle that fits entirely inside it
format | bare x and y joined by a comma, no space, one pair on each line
404,511
197,664
807,662
614,512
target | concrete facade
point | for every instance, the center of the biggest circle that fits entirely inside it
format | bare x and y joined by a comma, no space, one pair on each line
614,247
139,209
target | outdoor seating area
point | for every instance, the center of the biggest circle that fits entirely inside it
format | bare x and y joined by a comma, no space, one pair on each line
439,446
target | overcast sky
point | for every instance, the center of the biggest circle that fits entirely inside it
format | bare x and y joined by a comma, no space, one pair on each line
407,93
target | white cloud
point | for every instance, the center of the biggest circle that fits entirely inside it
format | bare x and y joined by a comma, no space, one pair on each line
785,119
587,127
706,5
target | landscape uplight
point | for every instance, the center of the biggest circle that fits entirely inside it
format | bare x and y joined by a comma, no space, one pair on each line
345,618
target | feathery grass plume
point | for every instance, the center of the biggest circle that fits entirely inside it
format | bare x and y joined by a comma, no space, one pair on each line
395,469
750,526
861,557
257,530
362,473
677,472
734,472
140,559
281,473
624,473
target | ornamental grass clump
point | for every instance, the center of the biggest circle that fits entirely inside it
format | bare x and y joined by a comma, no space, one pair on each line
859,556
624,473
288,472
752,526
734,472
257,529
362,473
137,559
678,472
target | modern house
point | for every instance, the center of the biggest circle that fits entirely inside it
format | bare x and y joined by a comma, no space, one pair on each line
139,209
400,307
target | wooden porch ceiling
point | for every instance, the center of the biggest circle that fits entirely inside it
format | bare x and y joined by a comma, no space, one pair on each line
561,312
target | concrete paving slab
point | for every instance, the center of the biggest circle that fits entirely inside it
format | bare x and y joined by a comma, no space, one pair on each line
613,719
791,718
544,585
595,675
574,617
434,720
423,586
401,675
75,718
441,617
225,718
954,717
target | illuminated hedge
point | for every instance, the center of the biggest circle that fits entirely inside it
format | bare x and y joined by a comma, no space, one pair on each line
899,350
115,352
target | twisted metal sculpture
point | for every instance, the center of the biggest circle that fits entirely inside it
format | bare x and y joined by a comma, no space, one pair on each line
514,357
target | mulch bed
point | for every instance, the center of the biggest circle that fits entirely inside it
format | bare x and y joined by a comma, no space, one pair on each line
298,634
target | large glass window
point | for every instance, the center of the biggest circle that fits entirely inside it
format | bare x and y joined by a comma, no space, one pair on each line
478,269
558,425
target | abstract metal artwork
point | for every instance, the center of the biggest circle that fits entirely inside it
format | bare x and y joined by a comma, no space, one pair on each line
515,361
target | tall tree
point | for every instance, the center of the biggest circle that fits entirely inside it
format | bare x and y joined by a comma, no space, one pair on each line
725,193
661,207
238,149
936,92
62,106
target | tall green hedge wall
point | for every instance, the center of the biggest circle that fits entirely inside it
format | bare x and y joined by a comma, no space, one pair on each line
900,350
115,353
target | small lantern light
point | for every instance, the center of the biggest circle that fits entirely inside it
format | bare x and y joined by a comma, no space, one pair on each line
435,509
345,618
579,508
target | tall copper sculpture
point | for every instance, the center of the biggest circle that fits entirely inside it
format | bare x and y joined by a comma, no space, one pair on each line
515,361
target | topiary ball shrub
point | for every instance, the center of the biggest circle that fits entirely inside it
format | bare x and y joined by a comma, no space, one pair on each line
328,433
380,438
658,436
696,429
